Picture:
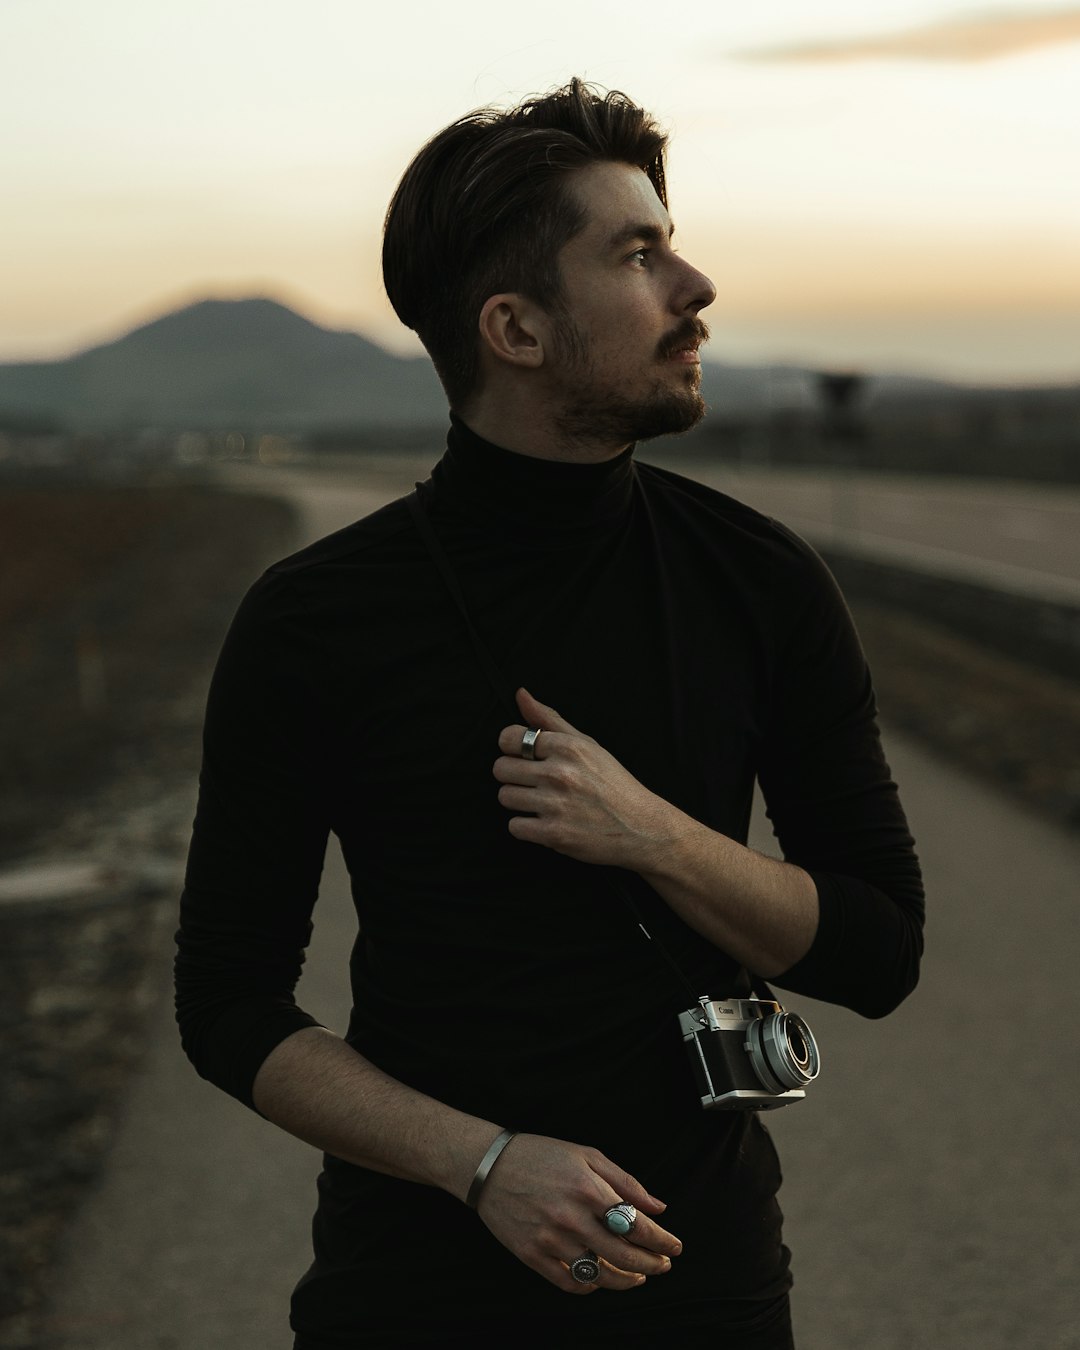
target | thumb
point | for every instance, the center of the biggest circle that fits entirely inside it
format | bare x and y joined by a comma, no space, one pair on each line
538,714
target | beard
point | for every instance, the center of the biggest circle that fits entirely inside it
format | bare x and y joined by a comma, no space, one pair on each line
593,413
603,416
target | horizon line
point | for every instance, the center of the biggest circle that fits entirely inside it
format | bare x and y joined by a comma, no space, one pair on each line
162,310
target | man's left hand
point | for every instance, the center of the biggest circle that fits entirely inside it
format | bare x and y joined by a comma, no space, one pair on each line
577,799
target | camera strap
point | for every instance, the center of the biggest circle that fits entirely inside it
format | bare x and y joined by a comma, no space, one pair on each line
504,693
490,666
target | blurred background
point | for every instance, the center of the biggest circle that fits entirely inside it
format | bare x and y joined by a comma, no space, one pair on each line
199,372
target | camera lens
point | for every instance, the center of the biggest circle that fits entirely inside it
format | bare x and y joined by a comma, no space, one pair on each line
799,1050
783,1051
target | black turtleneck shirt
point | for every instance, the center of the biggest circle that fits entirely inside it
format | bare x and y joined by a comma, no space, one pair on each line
702,644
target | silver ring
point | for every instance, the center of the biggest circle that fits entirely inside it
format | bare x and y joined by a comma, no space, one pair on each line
620,1219
528,742
586,1268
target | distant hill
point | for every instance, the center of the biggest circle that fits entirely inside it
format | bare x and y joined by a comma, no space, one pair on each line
225,363
251,364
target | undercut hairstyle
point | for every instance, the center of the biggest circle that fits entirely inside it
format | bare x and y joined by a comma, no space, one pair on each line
486,206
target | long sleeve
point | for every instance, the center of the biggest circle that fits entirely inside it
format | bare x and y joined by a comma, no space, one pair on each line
257,848
836,811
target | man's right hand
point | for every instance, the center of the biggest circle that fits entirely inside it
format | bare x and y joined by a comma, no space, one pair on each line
545,1201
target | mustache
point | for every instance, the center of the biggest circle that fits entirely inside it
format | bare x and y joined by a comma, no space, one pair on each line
694,331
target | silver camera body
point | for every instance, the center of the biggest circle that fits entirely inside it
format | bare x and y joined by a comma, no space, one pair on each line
748,1054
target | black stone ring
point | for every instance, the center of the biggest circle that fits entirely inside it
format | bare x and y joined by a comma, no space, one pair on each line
586,1268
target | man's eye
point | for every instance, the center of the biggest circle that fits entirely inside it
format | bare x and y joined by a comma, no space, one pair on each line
641,255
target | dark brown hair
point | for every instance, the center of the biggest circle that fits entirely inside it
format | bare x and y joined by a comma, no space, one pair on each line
484,207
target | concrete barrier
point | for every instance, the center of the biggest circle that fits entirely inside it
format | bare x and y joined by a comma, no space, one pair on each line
1040,630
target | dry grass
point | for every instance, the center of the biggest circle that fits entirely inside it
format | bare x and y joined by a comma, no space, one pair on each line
113,604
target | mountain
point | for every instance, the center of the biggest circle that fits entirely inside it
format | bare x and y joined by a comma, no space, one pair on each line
227,363
251,364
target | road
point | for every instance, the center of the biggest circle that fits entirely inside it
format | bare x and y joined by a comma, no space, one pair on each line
1021,537
931,1191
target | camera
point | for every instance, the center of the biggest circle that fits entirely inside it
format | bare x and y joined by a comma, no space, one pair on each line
748,1053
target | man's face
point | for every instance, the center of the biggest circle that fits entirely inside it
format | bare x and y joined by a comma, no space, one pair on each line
625,365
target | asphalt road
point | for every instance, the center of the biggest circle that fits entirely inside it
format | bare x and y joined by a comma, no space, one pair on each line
931,1187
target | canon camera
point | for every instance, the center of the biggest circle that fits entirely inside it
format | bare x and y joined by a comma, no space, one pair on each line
748,1053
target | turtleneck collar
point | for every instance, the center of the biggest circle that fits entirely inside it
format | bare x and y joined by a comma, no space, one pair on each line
476,478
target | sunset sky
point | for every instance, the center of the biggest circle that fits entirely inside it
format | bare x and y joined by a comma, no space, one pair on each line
896,187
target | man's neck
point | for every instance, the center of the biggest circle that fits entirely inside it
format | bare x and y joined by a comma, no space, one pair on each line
525,434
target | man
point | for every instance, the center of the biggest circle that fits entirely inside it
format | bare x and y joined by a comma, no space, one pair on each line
540,893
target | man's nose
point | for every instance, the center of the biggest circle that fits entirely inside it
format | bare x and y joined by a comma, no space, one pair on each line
698,290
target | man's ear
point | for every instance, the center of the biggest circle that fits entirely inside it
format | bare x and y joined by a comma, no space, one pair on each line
513,330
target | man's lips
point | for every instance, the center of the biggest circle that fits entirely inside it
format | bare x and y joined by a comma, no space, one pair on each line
683,344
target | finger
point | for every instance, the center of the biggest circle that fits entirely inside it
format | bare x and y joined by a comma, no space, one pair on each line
558,1273
609,1277
612,1277
521,772
515,798
650,1238
629,1189
628,1258
530,829
646,1233
512,739
646,1250
538,714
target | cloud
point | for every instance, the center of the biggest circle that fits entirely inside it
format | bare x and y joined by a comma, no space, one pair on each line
973,37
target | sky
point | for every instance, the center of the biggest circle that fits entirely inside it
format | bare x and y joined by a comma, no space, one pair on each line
895,188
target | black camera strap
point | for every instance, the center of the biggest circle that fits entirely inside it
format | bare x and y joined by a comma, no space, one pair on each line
490,666
505,694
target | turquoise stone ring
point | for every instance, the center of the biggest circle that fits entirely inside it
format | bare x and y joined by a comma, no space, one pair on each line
620,1219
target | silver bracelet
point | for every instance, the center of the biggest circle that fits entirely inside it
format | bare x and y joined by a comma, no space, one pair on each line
487,1162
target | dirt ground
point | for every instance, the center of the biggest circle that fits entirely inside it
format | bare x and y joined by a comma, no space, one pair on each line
113,603
1014,725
